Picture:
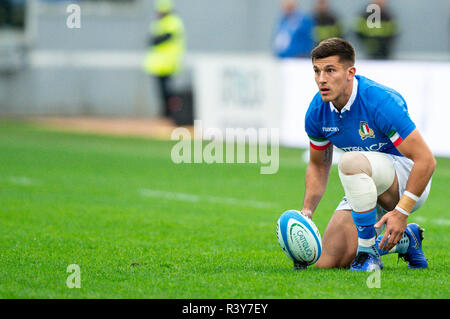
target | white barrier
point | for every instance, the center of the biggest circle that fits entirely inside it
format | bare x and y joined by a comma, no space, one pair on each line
254,91
237,91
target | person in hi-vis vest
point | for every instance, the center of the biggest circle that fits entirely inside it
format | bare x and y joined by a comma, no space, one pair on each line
167,46
378,41
327,24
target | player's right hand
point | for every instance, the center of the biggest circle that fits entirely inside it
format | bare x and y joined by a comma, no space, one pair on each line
395,226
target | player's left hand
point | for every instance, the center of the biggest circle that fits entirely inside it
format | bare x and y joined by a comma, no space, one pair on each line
395,226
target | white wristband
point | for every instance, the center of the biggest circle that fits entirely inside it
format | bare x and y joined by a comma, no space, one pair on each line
401,210
411,195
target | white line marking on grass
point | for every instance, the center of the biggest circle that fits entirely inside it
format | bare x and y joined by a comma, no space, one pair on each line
170,195
22,181
203,198
437,221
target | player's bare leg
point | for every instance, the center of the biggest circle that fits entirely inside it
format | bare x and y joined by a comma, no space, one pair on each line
389,198
339,242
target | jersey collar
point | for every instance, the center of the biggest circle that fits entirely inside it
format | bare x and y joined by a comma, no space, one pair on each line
350,100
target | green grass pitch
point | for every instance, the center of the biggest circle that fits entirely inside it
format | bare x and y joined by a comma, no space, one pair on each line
140,226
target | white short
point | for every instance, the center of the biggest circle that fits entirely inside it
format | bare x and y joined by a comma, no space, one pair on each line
402,166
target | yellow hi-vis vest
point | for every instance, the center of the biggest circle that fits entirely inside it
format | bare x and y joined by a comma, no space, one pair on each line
166,57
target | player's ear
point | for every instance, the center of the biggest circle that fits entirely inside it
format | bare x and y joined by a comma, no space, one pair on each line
351,71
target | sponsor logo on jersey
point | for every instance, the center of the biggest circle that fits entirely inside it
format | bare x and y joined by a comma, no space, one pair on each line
365,131
330,129
372,148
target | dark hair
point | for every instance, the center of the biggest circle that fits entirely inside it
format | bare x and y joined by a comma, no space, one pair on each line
334,46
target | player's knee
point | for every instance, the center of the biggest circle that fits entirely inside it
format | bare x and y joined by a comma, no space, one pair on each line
376,167
352,163
339,257
355,174
344,261
327,262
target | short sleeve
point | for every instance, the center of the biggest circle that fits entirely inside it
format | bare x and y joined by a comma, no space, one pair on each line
393,118
316,138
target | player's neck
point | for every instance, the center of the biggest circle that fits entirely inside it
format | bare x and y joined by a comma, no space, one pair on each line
342,99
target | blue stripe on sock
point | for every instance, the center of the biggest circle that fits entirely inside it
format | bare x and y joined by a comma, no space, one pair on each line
366,232
365,219
364,223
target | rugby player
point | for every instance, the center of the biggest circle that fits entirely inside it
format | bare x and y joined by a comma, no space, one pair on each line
385,171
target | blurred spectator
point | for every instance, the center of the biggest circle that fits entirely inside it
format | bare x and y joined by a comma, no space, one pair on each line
377,41
294,33
12,14
167,47
327,24
5,12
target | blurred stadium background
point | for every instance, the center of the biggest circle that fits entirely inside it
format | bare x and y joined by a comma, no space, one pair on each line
48,69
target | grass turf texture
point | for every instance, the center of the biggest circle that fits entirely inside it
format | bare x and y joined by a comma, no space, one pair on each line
71,198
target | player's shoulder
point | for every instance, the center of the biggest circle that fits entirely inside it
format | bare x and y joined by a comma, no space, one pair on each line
377,94
316,106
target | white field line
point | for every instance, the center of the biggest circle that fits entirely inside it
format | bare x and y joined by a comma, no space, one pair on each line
22,181
437,221
203,198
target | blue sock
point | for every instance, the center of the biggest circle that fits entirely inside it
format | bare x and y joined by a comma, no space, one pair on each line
366,231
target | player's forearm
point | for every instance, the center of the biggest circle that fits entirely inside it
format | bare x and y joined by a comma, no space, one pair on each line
316,181
415,148
420,175
418,179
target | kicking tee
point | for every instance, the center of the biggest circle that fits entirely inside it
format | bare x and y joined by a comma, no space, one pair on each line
374,119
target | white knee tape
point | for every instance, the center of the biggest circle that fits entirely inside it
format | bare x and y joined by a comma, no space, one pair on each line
360,191
383,171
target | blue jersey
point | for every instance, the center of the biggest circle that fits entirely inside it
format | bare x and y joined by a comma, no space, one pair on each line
375,119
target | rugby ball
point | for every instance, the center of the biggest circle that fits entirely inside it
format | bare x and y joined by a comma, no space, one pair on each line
299,237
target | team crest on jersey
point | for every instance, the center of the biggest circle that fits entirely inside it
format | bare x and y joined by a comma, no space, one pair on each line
365,131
